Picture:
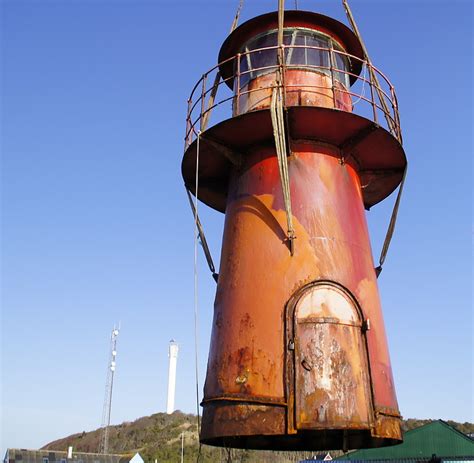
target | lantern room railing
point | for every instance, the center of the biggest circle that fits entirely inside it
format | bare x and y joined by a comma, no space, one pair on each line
371,95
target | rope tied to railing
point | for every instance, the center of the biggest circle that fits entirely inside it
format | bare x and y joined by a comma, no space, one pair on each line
217,79
373,76
394,128
362,91
204,120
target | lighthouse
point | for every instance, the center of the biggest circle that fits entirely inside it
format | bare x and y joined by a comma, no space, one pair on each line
173,360
311,140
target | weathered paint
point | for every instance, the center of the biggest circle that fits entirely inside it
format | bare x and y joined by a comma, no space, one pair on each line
331,374
302,88
298,356
257,280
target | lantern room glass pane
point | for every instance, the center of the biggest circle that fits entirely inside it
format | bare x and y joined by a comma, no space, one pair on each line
342,64
303,49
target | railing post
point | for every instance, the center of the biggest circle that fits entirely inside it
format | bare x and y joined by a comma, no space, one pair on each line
189,133
238,86
333,78
396,117
372,99
283,74
203,98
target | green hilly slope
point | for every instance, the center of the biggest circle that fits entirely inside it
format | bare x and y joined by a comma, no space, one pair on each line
159,437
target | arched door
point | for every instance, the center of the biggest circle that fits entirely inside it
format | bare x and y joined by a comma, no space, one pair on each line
331,375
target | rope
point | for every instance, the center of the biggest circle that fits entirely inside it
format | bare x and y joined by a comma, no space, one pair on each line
391,226
204,123
281,21
217,79
196,305
279,130
393,128
373,75
276,111
237,16
198,457
202,238
362,91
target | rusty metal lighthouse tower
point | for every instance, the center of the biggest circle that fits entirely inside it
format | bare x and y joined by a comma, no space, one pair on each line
298,356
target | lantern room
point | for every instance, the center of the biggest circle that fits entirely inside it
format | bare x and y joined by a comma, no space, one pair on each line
321,56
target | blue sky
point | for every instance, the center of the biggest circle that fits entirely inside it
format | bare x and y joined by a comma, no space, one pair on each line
96,227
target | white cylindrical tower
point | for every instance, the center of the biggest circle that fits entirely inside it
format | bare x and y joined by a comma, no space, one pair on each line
173,356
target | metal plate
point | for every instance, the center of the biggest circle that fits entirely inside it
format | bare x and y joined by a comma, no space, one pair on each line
331,372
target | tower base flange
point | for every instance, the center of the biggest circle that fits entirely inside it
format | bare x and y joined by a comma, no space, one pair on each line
264,427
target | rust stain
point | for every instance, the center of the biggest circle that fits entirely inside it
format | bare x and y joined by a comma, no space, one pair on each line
287,361
258,277
303,88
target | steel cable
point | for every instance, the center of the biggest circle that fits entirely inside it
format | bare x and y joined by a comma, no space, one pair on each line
196,302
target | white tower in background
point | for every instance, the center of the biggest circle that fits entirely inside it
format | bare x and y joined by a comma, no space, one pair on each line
173,356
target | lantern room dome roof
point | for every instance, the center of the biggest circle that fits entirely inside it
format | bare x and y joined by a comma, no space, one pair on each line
293,18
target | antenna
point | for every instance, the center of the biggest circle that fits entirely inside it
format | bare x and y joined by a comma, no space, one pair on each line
109,384
173,356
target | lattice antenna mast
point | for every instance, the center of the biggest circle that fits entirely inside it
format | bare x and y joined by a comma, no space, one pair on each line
109,384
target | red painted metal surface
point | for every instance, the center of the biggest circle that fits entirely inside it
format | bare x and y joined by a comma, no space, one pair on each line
377,156
303,88
298,356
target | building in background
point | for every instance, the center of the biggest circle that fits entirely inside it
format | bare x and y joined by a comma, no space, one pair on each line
137,458
435,441
54,456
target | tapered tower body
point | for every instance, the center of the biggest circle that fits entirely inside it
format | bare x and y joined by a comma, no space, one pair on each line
298,356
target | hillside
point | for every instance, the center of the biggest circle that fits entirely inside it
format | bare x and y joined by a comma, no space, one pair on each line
159,437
